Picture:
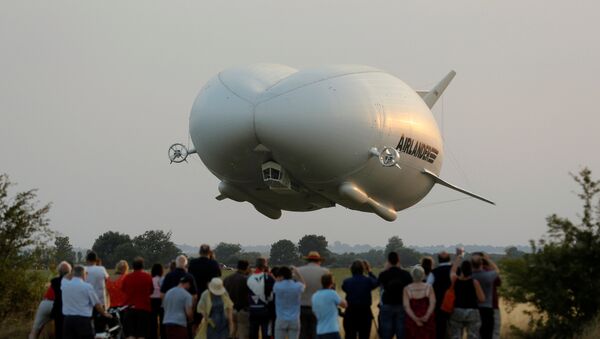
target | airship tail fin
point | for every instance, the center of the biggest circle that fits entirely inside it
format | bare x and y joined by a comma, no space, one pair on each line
431,97
442,182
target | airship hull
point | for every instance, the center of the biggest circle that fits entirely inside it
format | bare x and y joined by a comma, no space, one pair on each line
316,128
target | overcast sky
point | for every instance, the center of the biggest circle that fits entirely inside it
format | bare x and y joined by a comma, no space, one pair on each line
92,94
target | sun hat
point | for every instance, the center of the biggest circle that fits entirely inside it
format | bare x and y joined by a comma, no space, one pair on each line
215,286
313,256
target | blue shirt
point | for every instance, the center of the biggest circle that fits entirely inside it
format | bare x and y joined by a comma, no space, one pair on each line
176,301
78,297
324,306
287,299
358,289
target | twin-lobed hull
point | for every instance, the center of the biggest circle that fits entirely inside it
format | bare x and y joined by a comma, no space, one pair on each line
318,127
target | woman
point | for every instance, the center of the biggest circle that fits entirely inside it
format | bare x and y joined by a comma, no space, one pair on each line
467,293
113,285
419,303
217,312
427,264
43,313
358,316
155,301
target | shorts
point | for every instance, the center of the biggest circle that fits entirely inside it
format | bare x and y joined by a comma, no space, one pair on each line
137,323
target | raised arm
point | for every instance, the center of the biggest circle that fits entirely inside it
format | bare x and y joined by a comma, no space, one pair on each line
298,276
491,264
454,268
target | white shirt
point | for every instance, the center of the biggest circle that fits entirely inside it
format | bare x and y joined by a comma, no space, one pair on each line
78,297
96,277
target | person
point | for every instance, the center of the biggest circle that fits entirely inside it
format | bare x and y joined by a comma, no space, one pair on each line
64,270
391,314
97,276
216,309
113,286
137,287
427,265
43,314
173,278
325,303
79,299
155,301
177,304
496,307
312,273
203,269
358,316
237,288
467,293
440,280
287,293
260,285
486,280
419,303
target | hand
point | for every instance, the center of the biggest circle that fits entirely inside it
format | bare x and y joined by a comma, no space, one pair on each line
424,319
419,323
107,315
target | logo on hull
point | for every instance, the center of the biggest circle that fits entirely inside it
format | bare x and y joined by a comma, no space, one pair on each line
417,149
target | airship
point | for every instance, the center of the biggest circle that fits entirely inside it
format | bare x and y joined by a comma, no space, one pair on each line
284,139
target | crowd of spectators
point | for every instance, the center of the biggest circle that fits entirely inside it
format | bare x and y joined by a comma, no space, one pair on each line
192,301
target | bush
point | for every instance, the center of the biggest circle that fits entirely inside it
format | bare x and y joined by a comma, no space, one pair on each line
23,235
561,277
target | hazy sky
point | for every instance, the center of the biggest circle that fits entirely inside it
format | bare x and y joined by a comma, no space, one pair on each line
92,94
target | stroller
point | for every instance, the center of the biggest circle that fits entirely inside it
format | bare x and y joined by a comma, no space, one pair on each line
114,326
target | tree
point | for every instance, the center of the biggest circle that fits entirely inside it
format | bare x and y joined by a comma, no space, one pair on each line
106,244
395,244
228,254
560,277
125,251
283,252
313,242
63,250
24,233
156,247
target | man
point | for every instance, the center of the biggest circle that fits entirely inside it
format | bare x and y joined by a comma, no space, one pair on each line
260,285
236,286
391,315
178,304
325,304
96,276
287,303
440,280
137,287
358,316
64,269
173,278
78,300
486,280
312,273
203,269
